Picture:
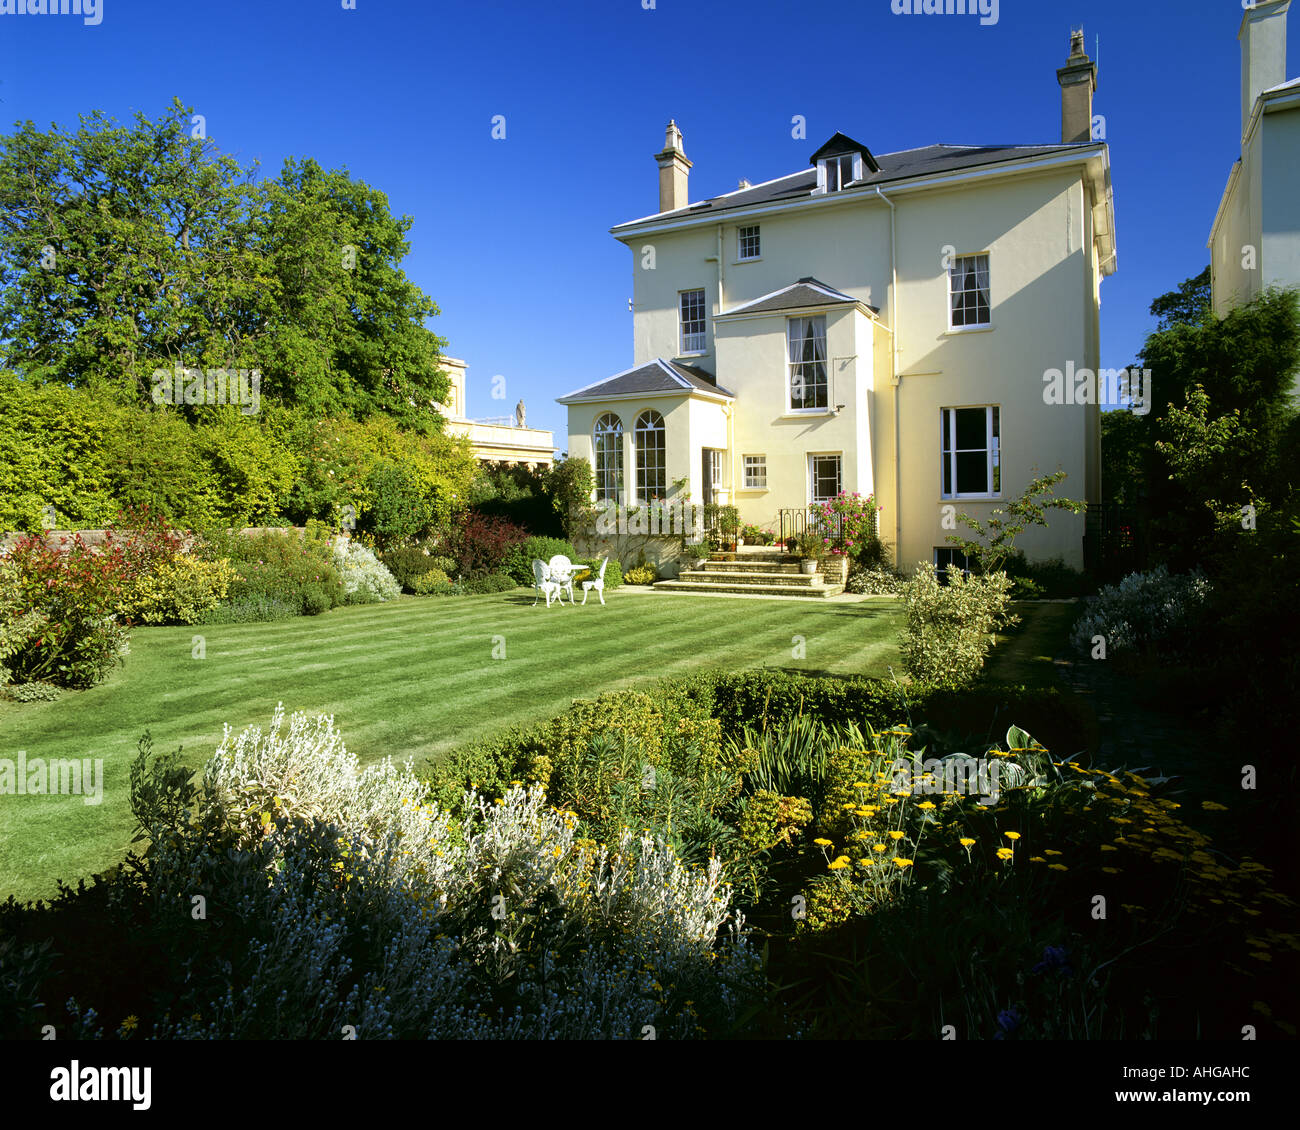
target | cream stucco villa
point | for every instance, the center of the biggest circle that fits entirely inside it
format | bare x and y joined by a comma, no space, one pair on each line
879,323
495,439
1255,240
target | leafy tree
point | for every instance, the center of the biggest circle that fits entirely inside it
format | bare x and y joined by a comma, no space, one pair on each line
994,540
153,250
1186,305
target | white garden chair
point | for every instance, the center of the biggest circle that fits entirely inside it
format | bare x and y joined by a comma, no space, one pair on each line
561,570
543,583
596,582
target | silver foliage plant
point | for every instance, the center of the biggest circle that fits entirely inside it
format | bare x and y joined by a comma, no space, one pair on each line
375,914
1152,611
366,579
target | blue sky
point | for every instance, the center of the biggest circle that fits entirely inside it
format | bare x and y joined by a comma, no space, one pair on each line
511,236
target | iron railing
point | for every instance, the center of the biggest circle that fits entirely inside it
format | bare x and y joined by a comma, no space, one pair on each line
794,522
1114,541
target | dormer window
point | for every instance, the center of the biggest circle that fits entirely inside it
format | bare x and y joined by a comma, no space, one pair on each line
836,172
842,162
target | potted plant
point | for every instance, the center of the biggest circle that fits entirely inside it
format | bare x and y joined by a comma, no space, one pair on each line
809,545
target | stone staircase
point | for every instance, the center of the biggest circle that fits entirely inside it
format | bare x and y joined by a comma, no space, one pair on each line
755,572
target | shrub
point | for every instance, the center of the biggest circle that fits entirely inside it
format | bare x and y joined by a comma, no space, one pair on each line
480,544
18,623
75,591
518,561
277,567
640,575
855,517
429,582
33,692
181,591
408,562
399,507
1146,613
351,900
949,628
488,583
252,609
365,579
873,581
613,574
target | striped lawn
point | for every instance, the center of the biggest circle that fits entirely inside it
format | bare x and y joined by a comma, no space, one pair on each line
409,679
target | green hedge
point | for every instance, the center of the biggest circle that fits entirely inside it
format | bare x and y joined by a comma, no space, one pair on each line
951,720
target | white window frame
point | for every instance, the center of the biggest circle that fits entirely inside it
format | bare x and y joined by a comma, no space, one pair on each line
609,476
696,342
992,449
756,236
804,409
825,165
953,552
650,461
754,467
813,498
957,270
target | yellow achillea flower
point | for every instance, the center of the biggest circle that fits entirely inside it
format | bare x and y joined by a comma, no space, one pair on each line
925,805
1005,853
1037,859
1212,806
877,847
839,864
1012,835
1049,851
902,863
895,835
1058,867
1109,847
824,843
861,785
1111,870
966,841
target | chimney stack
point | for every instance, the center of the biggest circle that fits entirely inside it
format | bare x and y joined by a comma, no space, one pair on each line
1263,52
673,171
1078,79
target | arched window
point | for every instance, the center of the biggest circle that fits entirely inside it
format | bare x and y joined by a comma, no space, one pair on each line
651,465
607,439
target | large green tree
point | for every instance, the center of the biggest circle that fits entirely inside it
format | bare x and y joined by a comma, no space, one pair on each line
124,250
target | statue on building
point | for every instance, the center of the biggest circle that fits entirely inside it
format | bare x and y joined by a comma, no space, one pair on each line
519,414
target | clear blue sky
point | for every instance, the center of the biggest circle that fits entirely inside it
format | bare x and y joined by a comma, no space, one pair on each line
511,237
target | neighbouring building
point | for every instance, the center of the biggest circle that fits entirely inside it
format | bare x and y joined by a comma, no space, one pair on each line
877,323
1255,240
495,439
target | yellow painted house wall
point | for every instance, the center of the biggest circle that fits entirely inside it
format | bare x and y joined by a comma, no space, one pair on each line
1038,230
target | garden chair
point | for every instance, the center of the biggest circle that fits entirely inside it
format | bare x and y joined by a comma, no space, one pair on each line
597,582
543,583
561,571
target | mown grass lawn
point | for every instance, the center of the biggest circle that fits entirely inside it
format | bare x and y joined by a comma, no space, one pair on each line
409,679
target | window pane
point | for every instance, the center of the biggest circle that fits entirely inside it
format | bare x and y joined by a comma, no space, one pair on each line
972,472
971,429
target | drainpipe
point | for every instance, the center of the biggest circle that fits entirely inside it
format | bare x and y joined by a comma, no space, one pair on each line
897,377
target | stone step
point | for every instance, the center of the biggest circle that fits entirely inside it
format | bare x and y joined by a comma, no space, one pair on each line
743,577
742,565
813,592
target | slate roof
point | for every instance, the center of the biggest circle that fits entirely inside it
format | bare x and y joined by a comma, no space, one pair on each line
655,376
894,167
799,295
